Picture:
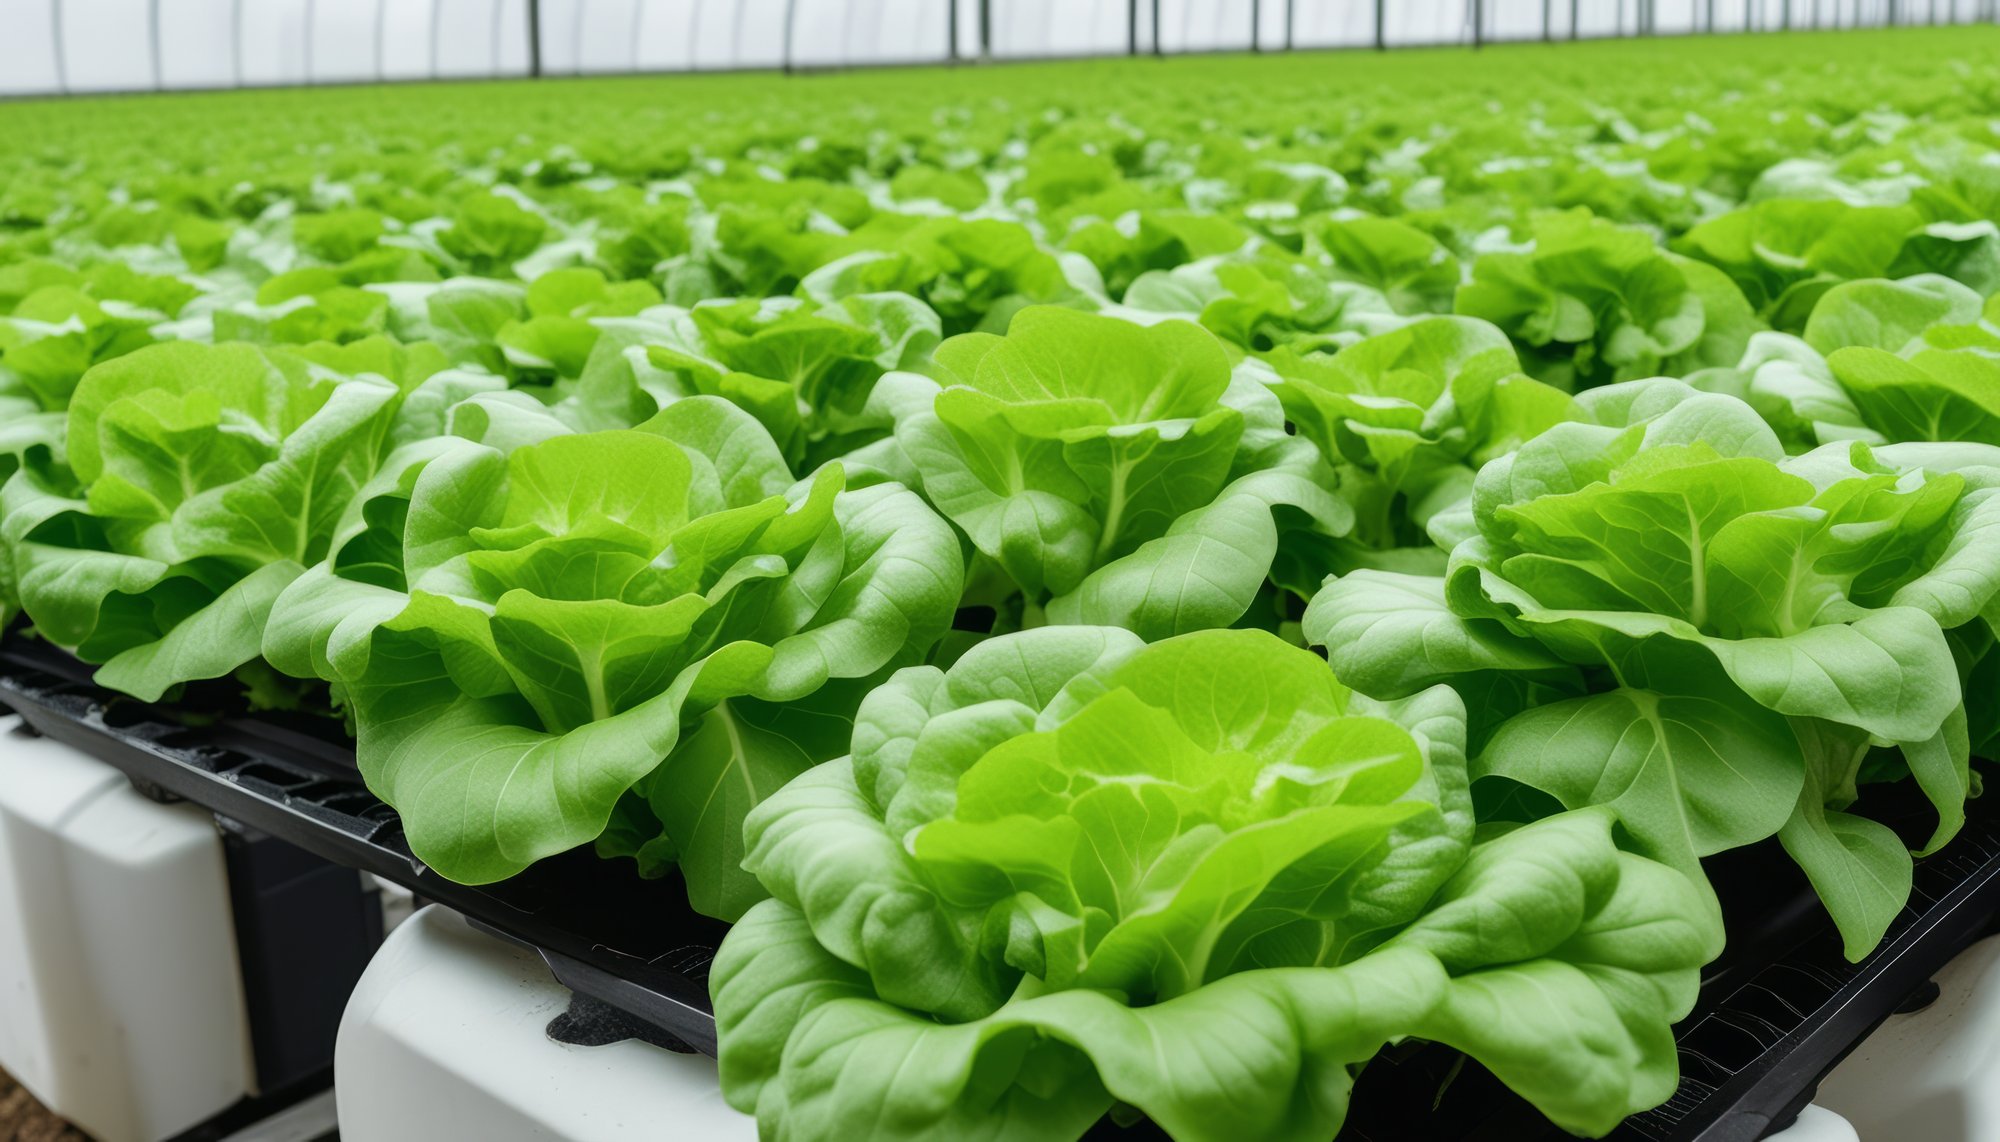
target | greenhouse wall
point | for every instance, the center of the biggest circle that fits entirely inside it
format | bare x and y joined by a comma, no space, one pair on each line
68,46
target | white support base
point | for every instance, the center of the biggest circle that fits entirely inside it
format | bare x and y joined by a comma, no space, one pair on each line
1932,1074
445,1037
1817,1124
121,1002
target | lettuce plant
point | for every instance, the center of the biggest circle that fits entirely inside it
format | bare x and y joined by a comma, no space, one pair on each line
55,334
1197,879
1408,416
559,330
1150,241
29,437
803,370
1879,362
489,233
974,273
1915,357
1107,472
206,478
1720,633
461,316
1258,303
1904,316
601,463
1591,303
1411,269
51,337
654,625
1934,395
300,308
336,236
1786,253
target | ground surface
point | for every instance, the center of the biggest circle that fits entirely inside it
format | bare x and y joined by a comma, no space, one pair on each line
22,1119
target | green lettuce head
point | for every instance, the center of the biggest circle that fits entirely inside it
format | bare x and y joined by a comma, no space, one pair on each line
302,307
1590,303
561,328
1411,269
1703,633
1258,302
803,370
1938,382
490,232
1146,242
627,636
1407,417
1107,472
205,479
1879,362
975,274
1785,254
51,338
1199,879
55,334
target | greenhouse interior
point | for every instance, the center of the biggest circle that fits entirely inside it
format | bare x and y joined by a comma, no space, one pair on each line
999,570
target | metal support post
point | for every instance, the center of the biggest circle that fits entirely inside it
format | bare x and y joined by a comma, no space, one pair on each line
535,38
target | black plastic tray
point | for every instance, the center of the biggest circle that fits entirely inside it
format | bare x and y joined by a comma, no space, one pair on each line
632,945
1774,1020
1777,1010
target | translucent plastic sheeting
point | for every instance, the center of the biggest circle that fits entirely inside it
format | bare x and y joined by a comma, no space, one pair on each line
104,59
51,46
1677,17
195,46
1513,19
113,45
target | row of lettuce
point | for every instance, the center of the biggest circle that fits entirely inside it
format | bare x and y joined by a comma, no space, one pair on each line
931,544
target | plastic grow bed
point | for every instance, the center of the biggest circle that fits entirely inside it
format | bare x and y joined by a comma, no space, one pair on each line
1776,1012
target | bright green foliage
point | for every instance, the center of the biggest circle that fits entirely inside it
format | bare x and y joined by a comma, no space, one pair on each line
1736,626
1198,878
1408,416
1259,302
205,478
1879,361
1156,241
644,615
1595,303
1107,472
803,370
56,333
1412,270
1786,253
557,335
873,459
491,232
974,273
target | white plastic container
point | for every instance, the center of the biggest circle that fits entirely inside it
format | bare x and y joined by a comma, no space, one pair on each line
121,1003
1818,1124
1934,1073
446,1037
